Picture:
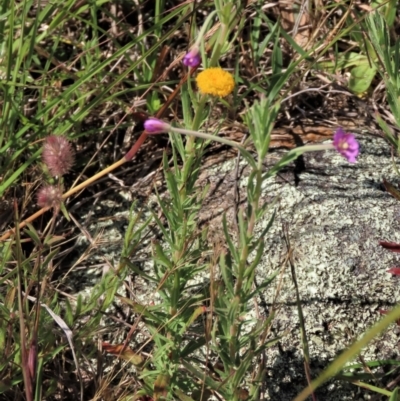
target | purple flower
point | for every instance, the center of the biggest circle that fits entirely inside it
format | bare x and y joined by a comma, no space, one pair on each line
192,58
156,126
346,144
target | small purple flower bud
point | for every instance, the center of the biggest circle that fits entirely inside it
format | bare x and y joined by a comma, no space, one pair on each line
192,58
346,144
156,126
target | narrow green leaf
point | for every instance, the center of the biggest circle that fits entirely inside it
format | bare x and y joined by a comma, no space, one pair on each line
395,395
225,264
161,257
232,247
266,283
33,234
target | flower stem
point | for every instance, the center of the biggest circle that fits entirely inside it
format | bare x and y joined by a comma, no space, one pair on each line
210,137
196,123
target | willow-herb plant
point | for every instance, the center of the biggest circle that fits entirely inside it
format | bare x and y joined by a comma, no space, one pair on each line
179,260
232,337
237,340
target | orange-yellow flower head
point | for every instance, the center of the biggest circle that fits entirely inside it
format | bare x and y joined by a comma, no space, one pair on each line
215,81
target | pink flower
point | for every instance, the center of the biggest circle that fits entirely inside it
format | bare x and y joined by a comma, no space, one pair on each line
346,144
58,155
49,196
192,58
156,126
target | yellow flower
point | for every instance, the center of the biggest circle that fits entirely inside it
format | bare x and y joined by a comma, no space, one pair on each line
215,81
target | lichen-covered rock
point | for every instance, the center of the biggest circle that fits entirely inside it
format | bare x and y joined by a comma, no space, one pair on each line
335,214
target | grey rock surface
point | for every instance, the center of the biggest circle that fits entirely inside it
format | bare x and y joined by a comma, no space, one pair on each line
336,214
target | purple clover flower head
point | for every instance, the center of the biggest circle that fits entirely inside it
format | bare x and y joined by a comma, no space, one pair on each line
156,126
346,144
49,196
192,58
58,155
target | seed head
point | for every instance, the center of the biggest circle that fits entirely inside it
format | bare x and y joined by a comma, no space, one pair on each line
58,155
49,196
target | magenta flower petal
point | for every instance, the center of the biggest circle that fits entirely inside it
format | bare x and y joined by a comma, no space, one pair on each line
156,126
346,144
192,58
